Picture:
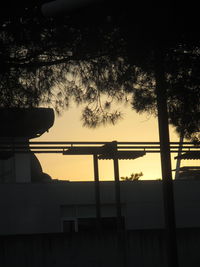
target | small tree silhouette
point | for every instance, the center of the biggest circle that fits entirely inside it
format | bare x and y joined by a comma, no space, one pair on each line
133,177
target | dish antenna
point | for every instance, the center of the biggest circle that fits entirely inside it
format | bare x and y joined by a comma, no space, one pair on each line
54,8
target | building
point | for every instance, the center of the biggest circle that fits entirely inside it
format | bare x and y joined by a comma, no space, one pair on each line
51,223
50,207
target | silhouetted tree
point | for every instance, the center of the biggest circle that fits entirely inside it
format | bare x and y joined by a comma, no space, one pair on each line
120,52
132,177
100,51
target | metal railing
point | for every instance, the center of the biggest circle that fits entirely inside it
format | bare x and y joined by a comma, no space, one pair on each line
63,146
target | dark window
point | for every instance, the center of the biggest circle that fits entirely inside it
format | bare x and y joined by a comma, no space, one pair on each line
68,226
106,224
86,224
110,224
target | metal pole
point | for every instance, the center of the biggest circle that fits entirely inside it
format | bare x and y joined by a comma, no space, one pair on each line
117,186
97,191
122,242
168,193
178,162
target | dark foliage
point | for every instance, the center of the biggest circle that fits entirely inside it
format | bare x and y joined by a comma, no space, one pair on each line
99,54
132,177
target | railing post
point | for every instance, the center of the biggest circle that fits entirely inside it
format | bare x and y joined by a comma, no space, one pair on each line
97,191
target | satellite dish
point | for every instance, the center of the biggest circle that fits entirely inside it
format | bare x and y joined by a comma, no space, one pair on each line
58,7
25,122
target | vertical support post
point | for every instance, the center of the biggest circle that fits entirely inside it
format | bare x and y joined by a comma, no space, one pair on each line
178,161
167,183
122,245
97,191
117,186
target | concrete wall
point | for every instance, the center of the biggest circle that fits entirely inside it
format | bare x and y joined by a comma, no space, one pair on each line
141,248
38,208
17,167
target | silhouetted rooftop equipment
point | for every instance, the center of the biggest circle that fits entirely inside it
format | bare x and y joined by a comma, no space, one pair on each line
184,168
25,122
190,155
20,125
189,172
87,150
122,155
104,153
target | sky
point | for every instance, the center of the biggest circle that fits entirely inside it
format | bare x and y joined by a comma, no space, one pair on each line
132,128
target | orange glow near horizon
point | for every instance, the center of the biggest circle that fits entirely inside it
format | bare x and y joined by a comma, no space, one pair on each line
133,128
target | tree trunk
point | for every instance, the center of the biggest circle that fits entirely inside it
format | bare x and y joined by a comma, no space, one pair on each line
168,194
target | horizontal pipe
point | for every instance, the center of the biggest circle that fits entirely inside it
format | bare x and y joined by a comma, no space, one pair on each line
91,143
81,153
92,147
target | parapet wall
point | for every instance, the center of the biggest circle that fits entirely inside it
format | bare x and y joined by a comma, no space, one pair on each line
141,248
42,208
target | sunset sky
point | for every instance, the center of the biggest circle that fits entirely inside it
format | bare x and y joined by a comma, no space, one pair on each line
133,128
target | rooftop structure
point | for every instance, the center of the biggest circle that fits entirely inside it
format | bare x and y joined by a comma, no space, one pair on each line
21,125
189,155
25,123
